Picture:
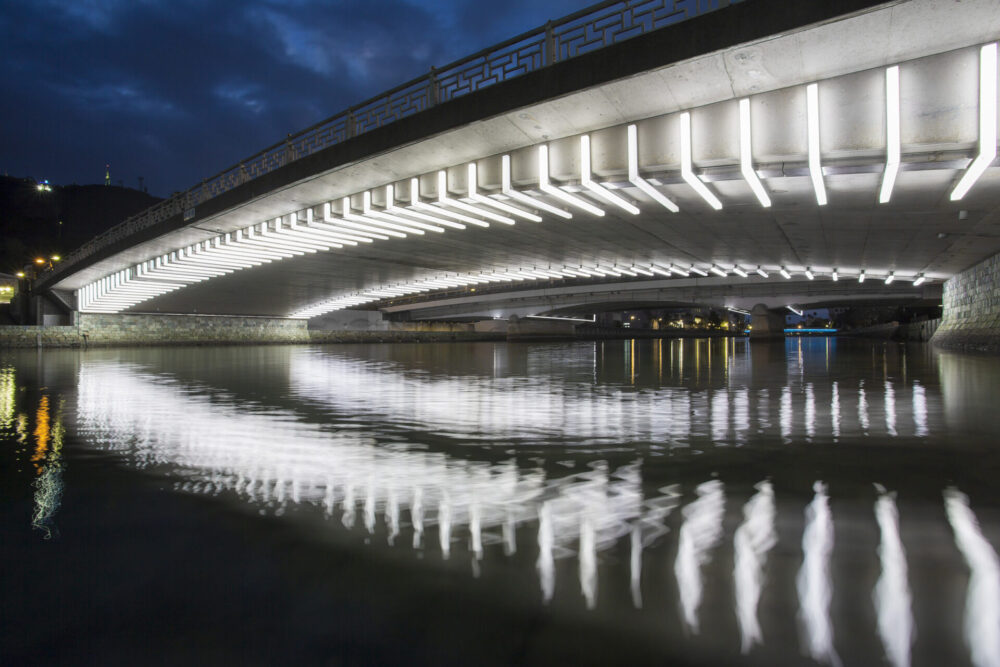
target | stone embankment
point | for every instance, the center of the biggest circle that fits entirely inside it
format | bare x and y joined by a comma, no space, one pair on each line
971,301
92,330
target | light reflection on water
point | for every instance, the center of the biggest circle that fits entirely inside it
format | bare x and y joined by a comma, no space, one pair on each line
380,445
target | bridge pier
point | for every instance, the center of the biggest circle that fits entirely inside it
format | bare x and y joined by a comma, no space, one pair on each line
521,329
971,317
765,324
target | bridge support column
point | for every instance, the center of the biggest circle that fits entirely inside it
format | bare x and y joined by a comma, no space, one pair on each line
765,324
521,329
971,300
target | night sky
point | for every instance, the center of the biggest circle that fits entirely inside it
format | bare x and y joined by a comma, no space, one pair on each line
175,91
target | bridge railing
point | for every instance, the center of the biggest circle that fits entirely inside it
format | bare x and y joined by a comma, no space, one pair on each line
587,30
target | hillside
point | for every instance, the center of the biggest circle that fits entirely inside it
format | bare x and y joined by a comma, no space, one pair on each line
36,223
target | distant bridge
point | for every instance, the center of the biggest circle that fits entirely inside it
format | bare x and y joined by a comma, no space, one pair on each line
842,144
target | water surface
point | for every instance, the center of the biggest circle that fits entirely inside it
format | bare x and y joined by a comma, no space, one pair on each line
816,501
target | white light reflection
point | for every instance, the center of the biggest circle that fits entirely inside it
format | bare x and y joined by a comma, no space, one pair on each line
890,409
700,532
920,410
753,539
785,413
221,448
862,407
982,601
835,411
810,411
892,592
813,582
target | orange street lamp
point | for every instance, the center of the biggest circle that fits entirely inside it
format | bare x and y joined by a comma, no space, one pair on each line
39,260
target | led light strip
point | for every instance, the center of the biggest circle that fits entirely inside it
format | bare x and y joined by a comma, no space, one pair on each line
559,193
987,121
746,156
445,200
812,129
474,195
596,188
640,182
509,191
687,173
891,133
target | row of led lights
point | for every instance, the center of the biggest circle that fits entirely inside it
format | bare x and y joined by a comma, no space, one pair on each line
243,249
456,281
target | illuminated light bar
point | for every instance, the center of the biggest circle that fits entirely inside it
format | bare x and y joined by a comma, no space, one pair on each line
240,241
746,155
687,173
559,193
809,274
230,244
695,269
284,242
861,277
334,225
891,133
473,184
835,276
679,271
386,227
812,119
784,273
920,280
890,278
509,191
596,188
366,211
718,270
639,269
445,200
762,272
439,209
638,181
390,206
657,270
285,236
310,230
987,121
740,272
794,310
741,311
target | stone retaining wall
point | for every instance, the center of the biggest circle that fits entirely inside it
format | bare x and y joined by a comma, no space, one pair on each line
94,330
971,318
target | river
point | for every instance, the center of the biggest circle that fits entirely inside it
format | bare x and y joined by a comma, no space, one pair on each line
811,501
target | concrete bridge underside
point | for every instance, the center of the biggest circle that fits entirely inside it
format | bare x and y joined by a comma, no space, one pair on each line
767,52
584,301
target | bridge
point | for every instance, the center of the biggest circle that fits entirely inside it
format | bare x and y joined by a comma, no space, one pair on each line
655,152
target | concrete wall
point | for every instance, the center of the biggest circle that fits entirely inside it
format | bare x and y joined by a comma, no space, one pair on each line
971,318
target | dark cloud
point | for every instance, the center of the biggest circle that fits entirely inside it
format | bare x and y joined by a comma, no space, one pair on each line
176,91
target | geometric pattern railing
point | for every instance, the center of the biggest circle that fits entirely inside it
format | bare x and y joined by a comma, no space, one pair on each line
589,29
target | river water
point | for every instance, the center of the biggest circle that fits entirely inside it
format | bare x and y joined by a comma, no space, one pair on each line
813,501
